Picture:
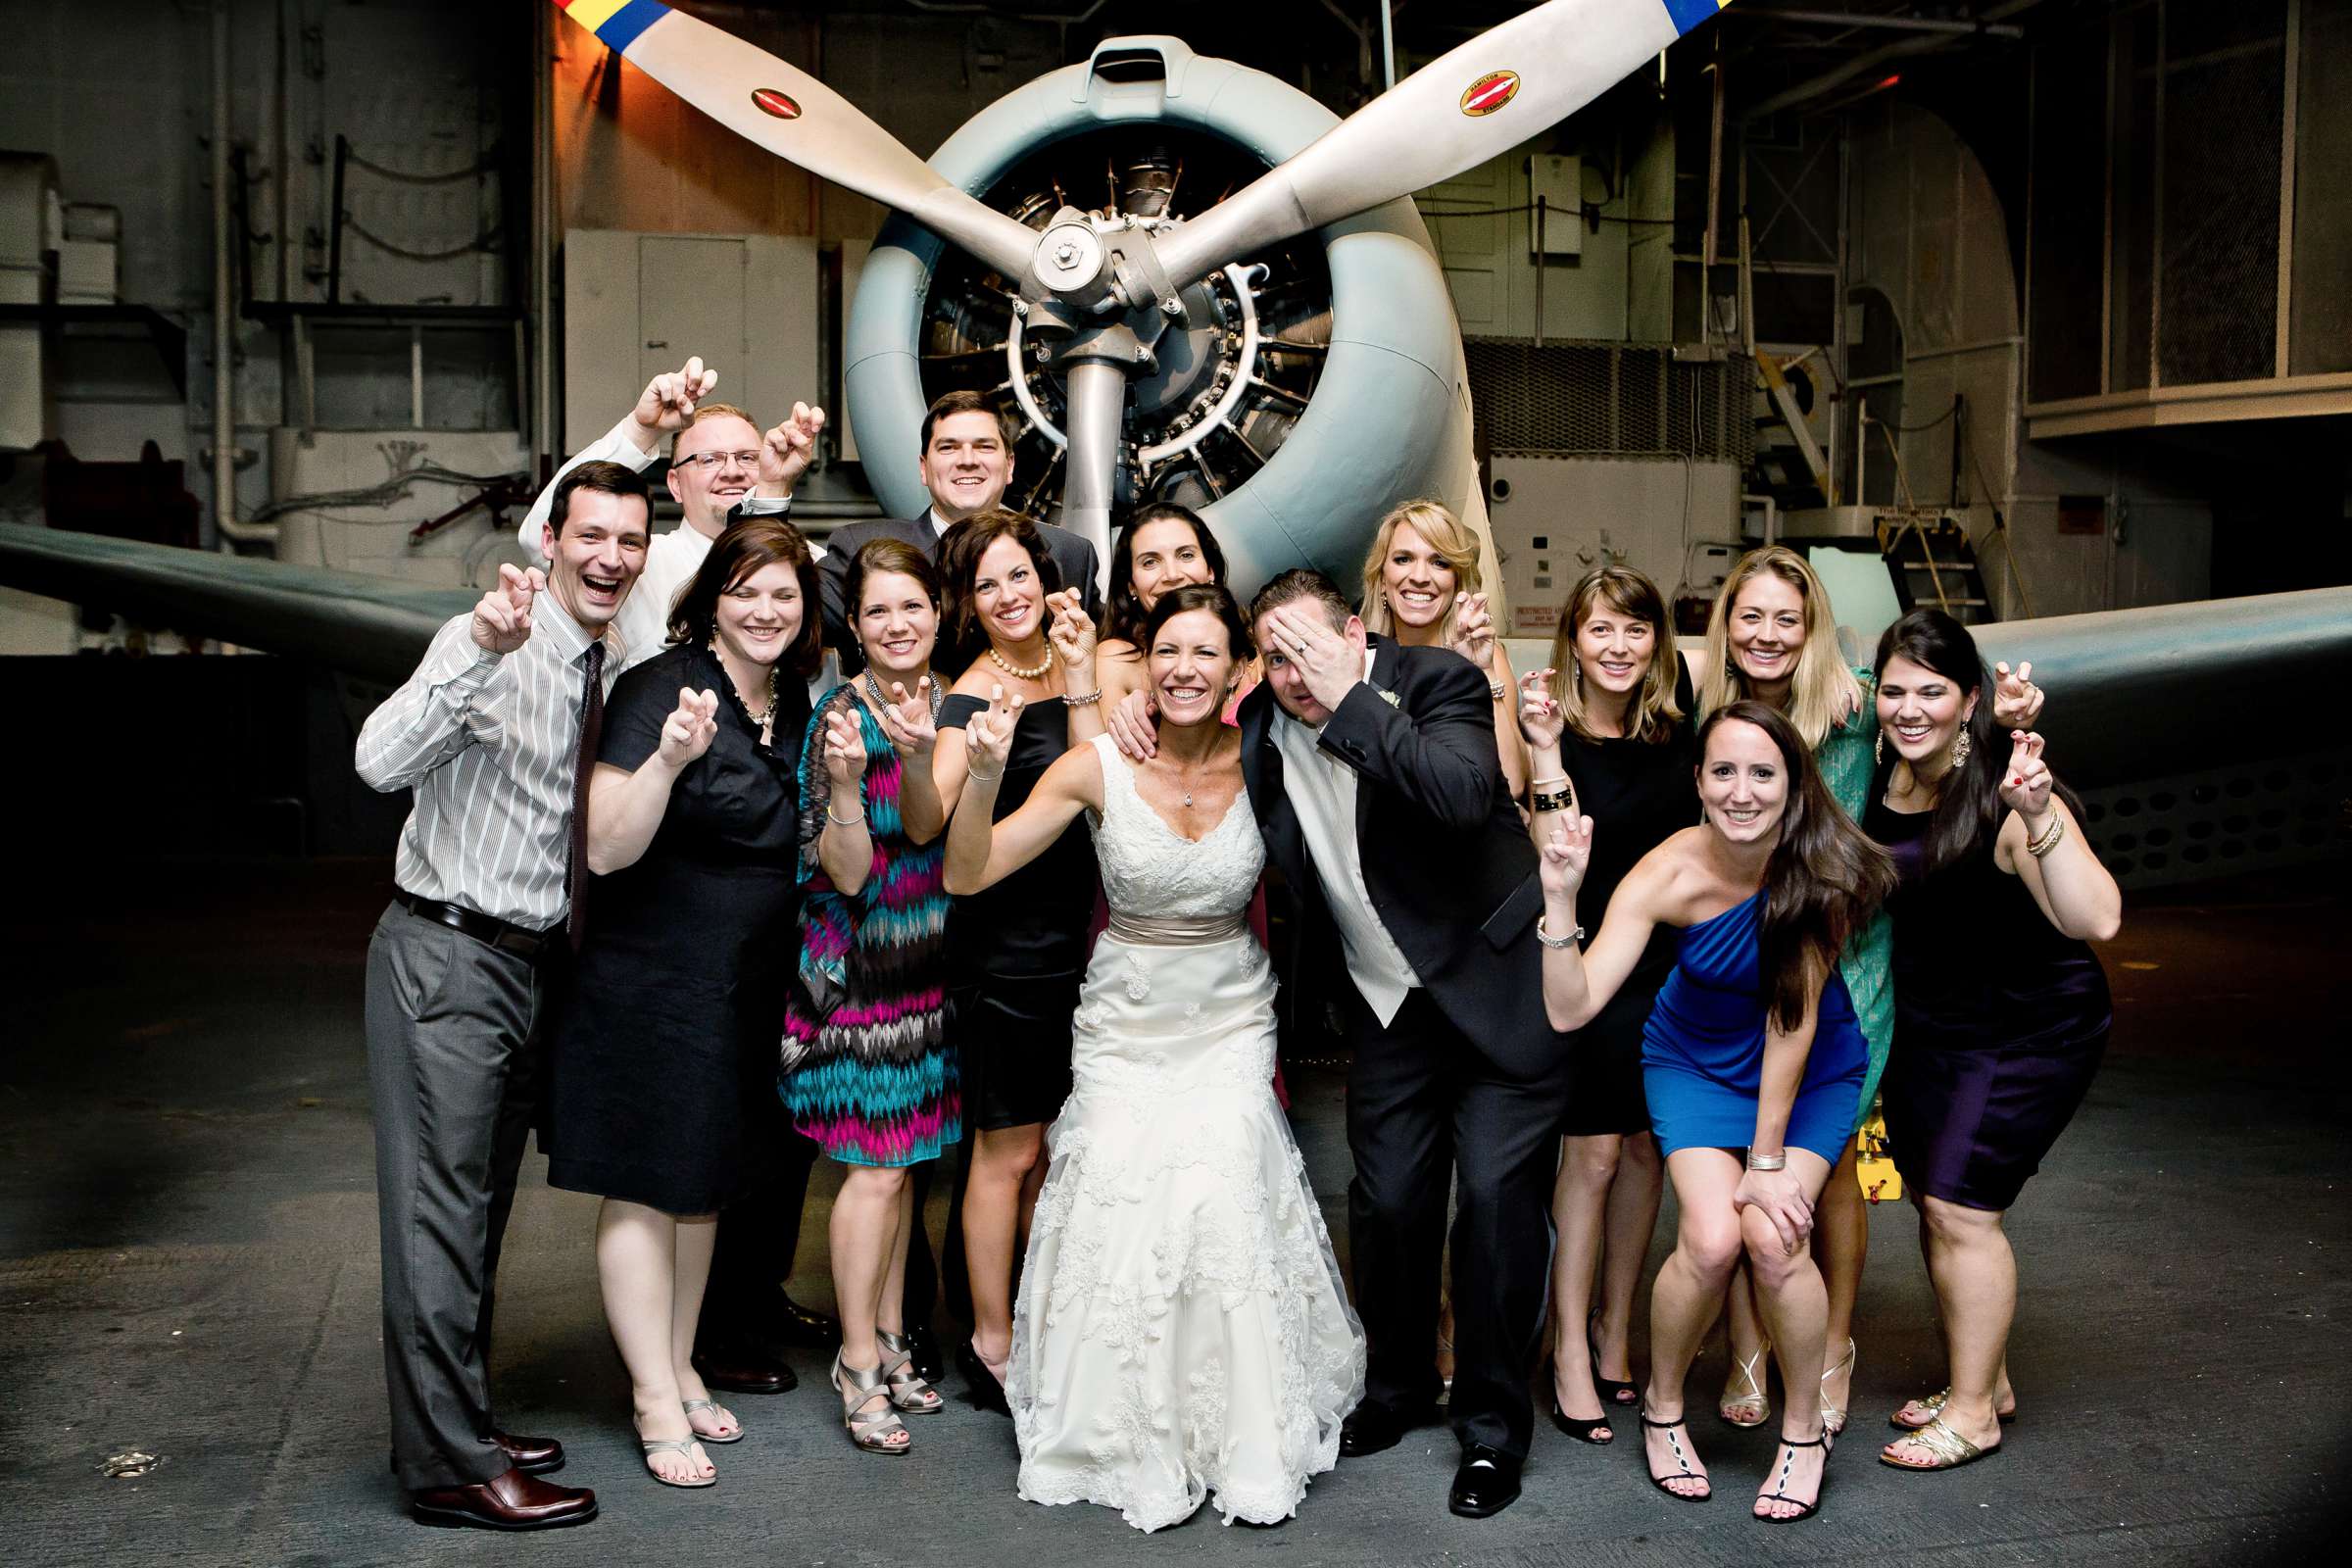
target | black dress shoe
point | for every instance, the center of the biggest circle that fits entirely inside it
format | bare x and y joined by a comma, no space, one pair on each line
923,1347
1374,1426
508,1502
739,1369
1486,1483
533,1456
805,1326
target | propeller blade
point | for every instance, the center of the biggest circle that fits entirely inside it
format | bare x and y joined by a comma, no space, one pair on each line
1095,395
799,120
1468,104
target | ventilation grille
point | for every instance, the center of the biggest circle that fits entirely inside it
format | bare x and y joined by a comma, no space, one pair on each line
2294,811
1627,400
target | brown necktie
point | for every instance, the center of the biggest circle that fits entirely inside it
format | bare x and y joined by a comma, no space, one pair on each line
592,724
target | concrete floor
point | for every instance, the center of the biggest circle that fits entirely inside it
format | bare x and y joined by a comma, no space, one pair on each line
187,1268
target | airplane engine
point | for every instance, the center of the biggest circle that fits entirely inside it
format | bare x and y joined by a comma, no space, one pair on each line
1307,387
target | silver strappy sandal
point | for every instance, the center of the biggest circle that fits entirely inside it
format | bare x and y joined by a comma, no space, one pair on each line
870,1430
910,1391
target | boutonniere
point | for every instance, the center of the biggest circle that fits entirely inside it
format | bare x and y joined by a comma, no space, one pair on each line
1389,696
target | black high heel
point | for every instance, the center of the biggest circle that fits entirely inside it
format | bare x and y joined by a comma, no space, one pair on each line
1582,1430
1610,1389
983,1387
1806,1510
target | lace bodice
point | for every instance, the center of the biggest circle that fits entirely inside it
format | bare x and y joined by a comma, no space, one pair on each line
1149,870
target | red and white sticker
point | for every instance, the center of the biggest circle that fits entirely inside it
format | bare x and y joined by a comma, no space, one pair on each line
768,101
1490,93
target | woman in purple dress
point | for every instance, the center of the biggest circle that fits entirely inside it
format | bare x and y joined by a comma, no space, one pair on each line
2001,1009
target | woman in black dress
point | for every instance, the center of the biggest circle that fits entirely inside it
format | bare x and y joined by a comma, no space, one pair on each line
668,1041
2001,1008
1615,737
1018,951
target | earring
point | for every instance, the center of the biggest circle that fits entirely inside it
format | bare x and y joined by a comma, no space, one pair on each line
1878,749
1960,748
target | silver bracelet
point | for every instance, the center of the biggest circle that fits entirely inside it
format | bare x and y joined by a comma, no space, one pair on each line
1081,702
852,821
1756,1161
1568,941
971,772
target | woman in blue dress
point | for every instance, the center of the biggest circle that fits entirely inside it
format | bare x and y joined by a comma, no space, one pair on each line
1752,1059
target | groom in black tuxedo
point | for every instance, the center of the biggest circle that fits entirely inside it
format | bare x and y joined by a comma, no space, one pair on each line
1373,772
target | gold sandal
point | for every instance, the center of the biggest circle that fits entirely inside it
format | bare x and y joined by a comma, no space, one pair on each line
869,1430
1832,1416
1950,1448
910,1391
1933,1405
1752,1371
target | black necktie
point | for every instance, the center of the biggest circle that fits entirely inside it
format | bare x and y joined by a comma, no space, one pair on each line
592,724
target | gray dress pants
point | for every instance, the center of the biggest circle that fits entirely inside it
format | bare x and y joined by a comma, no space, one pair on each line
450,1081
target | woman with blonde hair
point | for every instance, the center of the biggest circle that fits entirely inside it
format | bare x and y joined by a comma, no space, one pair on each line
1773,638
1423,588
1613,741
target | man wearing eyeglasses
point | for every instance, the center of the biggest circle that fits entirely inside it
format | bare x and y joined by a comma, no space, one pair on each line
714,463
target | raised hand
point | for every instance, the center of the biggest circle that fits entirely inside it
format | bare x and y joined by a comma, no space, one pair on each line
844,747
1302,634
501,621
988,738
2026,781
1072,630
668,399
1541,720
786,452
1567,856
1134,726
2016,700
689,730
1474,630
908,720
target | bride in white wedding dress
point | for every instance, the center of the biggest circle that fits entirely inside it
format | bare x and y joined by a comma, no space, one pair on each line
1181,1329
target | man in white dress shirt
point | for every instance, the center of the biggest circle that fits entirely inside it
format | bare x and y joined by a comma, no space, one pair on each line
716,456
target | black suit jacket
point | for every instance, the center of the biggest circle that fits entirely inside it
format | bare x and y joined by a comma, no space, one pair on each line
1447,860
1072,553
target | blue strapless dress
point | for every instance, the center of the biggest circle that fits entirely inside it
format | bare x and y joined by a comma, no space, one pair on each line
1702,1051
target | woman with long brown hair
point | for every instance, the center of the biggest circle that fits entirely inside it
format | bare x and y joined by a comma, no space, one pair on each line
2000,1039
1018,950
1773,639
1752,1047
1606,723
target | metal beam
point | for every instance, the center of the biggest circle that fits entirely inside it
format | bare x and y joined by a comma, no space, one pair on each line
1806,91
1866,18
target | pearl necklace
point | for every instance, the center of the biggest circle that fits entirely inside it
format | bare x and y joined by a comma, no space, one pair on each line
1036,672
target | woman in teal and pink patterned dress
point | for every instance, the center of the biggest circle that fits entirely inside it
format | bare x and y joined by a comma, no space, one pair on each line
866,1071
1773,637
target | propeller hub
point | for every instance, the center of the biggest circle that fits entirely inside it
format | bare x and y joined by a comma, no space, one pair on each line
1068,263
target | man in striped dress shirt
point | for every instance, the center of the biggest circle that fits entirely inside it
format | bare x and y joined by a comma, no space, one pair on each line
489,735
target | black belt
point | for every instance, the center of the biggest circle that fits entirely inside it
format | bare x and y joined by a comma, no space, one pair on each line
523,943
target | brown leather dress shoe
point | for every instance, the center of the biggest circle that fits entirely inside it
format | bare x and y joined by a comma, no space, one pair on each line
508,1502
735,1368
533,1456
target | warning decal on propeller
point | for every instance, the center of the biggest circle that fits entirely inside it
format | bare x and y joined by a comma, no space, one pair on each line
771,101
1491,92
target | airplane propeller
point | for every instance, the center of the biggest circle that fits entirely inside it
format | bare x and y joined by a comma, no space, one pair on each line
1098,290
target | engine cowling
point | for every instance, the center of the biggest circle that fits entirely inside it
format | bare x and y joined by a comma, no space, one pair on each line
1292,464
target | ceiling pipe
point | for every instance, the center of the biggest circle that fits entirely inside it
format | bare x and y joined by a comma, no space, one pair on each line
225,327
